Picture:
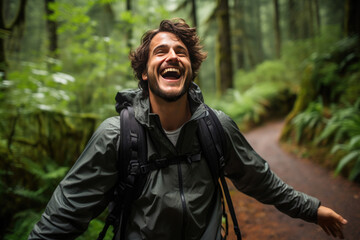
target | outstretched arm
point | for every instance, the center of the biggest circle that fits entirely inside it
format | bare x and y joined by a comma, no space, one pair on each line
331,222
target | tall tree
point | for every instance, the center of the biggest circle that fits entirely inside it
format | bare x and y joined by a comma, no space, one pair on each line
292,10
13,31
51,26
193,13
352,18
277,28
238,32
129,31
2,44
224,74
253,40
318,19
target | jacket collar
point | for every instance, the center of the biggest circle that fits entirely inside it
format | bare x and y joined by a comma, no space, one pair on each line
141,104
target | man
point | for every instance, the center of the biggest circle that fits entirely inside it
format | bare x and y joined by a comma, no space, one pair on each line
179,201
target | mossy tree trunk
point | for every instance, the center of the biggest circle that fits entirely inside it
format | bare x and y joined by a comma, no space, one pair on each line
51,26
3,62
306,95
13,31
224,74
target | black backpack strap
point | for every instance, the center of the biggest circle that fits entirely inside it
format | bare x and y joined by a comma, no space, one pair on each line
212,138
132,153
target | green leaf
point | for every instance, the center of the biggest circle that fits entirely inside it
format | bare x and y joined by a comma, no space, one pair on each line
345,160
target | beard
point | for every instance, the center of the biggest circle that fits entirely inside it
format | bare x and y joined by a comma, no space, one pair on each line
169,97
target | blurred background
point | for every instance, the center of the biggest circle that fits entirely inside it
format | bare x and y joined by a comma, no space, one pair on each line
62,62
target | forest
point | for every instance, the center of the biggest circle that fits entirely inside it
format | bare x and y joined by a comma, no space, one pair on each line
62,63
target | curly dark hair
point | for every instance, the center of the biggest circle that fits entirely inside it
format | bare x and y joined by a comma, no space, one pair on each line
184,32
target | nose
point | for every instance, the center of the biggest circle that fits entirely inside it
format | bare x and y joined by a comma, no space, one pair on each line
172,56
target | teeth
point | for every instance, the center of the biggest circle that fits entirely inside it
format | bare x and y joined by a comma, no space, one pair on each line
170,70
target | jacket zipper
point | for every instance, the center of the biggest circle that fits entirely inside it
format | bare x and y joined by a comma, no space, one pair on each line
183,202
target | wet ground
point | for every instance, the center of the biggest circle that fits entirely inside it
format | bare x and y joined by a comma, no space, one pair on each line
258,221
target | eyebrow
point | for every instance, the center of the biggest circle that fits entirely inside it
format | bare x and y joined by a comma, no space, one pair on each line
166,46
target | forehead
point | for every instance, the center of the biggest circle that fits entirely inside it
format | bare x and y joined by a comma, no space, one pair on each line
166,39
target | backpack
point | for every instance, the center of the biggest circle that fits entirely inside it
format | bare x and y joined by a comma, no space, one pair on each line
133,168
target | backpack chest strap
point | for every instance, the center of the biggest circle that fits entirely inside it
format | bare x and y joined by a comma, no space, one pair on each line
136,167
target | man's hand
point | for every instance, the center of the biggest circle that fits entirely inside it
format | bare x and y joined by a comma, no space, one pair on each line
331,222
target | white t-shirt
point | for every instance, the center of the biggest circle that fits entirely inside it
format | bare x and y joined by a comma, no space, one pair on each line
173,135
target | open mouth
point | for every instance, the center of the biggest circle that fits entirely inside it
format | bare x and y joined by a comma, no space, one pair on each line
171,73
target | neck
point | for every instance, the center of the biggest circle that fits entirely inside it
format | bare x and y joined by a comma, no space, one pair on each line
172,114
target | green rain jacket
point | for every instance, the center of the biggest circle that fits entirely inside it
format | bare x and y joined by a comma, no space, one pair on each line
178,202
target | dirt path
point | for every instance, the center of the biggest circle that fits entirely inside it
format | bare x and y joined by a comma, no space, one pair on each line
258,221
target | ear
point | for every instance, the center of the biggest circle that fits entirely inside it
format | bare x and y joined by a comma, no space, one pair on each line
144,76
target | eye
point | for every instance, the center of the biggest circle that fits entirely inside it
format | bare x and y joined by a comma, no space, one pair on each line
160,52
182,53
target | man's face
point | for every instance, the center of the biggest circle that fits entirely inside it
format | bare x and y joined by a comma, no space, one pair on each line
168,67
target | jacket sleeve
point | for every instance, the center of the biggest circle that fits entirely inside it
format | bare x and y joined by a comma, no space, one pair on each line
251,175
85,191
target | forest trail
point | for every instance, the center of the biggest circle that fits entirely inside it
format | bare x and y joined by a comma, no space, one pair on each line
259,221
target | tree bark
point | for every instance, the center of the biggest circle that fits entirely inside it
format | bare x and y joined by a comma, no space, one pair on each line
277,29
292,20
258,40
51,27
14,29
318,19
3,62
352,18
193,13
129,31
224,75
239,34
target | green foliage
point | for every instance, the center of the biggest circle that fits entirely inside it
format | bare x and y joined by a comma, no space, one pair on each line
298,53
351,148
343,124
24,222
35,88
268,72
344,128
310,122
261,93
340,131
94,229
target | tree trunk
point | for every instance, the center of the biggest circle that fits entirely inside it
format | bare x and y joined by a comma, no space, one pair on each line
51,27
253,40
224,75
3,62
193,13
258,39
318,20
352,18
277,29
13,31
239,33
293,28
129,31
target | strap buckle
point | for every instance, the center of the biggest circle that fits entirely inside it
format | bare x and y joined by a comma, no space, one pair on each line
161,162
134,167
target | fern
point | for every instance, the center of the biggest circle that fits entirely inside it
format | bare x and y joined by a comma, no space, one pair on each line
24,222
344,123
312,118
352,148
